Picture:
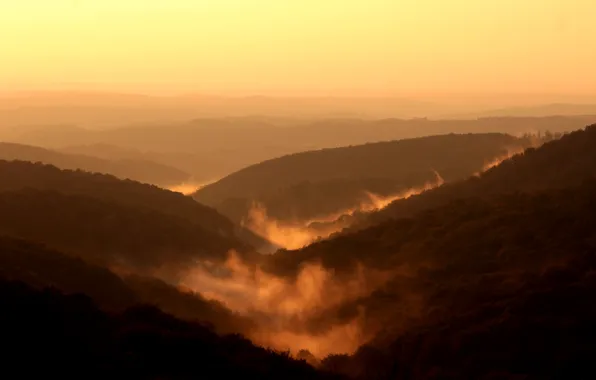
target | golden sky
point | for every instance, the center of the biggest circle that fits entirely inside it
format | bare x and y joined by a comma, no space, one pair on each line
332,47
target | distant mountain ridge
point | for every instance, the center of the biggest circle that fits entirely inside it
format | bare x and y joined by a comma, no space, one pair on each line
211,148
133,168
553,109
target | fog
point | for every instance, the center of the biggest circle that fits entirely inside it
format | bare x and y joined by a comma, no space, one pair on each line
284,308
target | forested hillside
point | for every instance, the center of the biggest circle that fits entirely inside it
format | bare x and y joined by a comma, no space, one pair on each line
109,233
489,276
40,268
558,164
17,175
479,287
315,183
142,342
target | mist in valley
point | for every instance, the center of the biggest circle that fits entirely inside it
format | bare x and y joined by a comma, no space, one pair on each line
365,190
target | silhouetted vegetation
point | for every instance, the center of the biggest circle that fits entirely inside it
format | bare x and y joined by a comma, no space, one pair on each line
558,164
68,337
490,277
481,287
187,305
19,175
106,232
315,183
40,268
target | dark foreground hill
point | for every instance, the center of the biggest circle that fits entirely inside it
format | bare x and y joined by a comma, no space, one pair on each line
480,288
139,209
69,337
107,233
316,183
40,268
135,169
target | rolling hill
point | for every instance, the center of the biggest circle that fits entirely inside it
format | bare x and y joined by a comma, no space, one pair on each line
558,164
108,233
211,148
482,289
479,287
488,284
317,183
489,276
137,221
134,169
564,163
40,268
141,342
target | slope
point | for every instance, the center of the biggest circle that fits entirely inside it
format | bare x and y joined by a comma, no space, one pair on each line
69,337
108,233
480,287
211,148
316,183
18,175
558,164
135,169
40,268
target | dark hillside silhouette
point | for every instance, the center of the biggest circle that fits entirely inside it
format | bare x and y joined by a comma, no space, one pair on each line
488,277
558,164
40,268
135,169
315,183
19,175
483,287
109,233
69,337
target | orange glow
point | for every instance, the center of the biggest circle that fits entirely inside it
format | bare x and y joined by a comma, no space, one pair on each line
500,159
274,47
188,188
288,235
298,234
284,305
339,339
535,142
377,202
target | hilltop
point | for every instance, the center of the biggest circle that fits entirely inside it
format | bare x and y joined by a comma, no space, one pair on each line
316,183
104,217
557,164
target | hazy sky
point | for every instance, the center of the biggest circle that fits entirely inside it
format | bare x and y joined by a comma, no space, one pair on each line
369,47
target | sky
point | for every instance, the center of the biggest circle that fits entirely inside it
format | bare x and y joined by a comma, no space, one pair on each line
299,47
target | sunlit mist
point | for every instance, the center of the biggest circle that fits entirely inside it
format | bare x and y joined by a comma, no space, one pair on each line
188,188
289,235
377,202
511,152
298,234
283,306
